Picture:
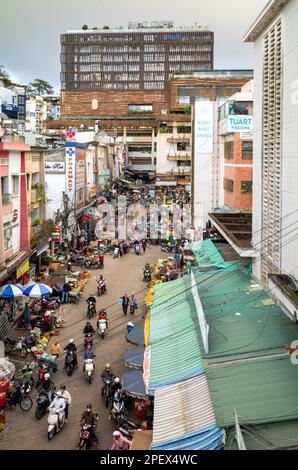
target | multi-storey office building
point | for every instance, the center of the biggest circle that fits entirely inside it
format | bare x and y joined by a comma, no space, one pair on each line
132,59
275,196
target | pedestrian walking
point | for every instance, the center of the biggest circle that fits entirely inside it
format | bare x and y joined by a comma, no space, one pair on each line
65,293
101,261
124,301
144,245
133,305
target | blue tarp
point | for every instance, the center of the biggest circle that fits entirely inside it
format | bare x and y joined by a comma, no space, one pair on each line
210,439
134,357
136,336
134,384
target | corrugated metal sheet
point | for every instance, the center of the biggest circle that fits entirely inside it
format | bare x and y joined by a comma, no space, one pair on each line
175,358
261,391
184,417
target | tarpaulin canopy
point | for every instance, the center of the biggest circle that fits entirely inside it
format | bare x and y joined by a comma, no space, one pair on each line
134,357
184,418
133,383
136,335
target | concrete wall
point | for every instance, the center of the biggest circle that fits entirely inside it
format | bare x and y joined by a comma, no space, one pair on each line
289,171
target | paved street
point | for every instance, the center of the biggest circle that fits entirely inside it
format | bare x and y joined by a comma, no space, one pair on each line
23,431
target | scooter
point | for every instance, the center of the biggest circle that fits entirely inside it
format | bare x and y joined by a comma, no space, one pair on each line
147,275
45,367
88,340
91,310
89,370
137,249
27,379
106,390
19,397
56,420
102,328
70,363
101,289
86,436
116,253
43,403
12,346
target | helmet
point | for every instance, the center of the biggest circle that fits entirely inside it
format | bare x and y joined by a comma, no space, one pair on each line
88,347
108,366
71,341
116,434
47,376
59,393
89,407
117,380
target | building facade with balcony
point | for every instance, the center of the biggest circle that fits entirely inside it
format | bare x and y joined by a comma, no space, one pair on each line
36,114
275,195
14,232
236,149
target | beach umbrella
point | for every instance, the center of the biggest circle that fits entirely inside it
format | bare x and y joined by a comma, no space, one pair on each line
38,290
10,291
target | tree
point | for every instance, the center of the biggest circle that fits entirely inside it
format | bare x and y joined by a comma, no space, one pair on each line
40,87
85,26
106,27
4,77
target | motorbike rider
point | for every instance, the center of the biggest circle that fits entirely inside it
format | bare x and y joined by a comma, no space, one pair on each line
47,386
120,442
102,316
107,374
58,403
88,354
67,398
88,417
101,283
91,298
88,329
72,347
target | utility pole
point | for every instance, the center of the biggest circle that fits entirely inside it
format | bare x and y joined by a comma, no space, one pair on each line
66,212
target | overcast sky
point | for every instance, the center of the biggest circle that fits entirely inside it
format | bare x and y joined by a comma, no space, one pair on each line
30,29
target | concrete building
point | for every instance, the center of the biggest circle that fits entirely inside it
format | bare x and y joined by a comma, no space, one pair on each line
275,195
236,148
14,230
140,58
36,114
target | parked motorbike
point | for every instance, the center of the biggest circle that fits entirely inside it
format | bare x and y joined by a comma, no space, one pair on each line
26,379
89,370
85,441
167,248
102,328
19,397
88,340
56,421
50,304
70,362
20,346
43,403
91,309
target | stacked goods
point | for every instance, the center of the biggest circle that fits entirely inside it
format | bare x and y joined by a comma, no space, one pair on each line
4,386
155,282
2,420
149,297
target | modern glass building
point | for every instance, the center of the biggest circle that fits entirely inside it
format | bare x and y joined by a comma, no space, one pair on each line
141,59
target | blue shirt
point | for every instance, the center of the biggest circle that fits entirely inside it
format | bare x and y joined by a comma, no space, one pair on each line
89,355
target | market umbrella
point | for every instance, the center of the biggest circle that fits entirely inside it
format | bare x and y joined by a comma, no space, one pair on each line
38,290
10,291
136,335
134,358
133,384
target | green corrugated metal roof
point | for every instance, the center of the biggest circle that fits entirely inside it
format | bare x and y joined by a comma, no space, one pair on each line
243,320
273,436
207,254
174,334
261,391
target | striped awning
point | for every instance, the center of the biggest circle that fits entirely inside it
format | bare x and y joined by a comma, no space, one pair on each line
184,418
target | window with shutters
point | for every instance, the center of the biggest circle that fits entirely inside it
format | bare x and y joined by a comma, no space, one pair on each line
247,150
228,185
229,150
271,149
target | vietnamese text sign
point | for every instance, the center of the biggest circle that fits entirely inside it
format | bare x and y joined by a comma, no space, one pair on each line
203,127
70,153
239,123
54,167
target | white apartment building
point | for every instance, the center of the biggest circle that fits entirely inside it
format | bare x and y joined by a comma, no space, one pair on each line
275,193
36,113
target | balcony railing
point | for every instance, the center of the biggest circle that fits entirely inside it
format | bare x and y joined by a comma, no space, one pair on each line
6,199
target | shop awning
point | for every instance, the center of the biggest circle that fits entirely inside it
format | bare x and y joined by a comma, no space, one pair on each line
141,440
184,418
136,336
134,358
134,384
